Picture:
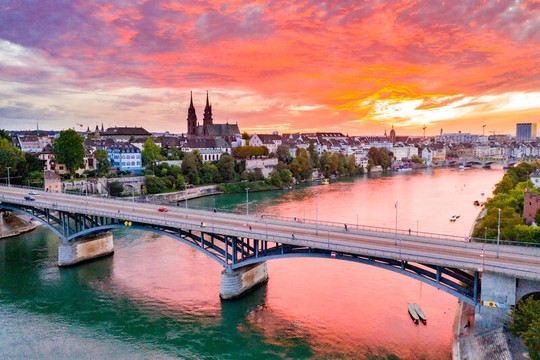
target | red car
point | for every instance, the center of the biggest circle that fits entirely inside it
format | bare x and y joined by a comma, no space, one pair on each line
162,209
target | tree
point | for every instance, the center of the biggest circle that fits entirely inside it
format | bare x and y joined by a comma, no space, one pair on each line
10,157
526,324
283,154
151,152
210,173
190,168
313,154
225,167
116,188
103,163
68,149
245,136
156,185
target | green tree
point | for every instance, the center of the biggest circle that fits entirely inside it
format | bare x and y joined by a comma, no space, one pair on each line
225,166
68,149
283,154
313,154
11,157
3,135
245,136
526,324
116,188
190,168
103,163
151,153
156,185
180,182
210,173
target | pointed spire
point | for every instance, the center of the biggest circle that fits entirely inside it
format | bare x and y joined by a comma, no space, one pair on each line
191,101
102,127
207,101
37,125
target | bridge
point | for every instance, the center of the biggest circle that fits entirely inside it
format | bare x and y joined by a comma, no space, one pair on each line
475,272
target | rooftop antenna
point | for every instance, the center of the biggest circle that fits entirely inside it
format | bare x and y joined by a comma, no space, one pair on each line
483,128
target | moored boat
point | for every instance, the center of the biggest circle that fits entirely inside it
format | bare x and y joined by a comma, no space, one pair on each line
412,313
325,181
420,313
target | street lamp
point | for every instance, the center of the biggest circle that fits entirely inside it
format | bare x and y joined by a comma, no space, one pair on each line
85,184
9,167
247,201
317,213
185,196
498,232
395,205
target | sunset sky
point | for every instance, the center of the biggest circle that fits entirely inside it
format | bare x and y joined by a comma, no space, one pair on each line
358,67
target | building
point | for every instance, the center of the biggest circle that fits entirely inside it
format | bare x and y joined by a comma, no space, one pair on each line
125,157
271,141
124,133
531,204
525,132
229,132
52,181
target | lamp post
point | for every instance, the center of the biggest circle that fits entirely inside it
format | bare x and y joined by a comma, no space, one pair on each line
185,196
498,232
316,213
395,206
9,167
85,185
247,201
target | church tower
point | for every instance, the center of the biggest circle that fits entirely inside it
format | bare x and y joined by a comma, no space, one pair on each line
207,120
192,118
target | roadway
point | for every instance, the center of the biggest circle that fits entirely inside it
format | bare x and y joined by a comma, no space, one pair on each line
426,248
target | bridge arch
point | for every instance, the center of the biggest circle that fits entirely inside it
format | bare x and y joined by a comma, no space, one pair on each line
33,216
435,279
194,242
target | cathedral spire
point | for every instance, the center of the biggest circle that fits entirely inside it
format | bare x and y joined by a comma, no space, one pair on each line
207,119
192,117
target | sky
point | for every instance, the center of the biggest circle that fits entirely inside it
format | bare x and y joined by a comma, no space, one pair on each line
358,67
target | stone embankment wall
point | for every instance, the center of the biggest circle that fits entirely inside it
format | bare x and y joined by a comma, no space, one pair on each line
190,193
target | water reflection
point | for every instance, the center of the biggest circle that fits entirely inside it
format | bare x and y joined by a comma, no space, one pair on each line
159,298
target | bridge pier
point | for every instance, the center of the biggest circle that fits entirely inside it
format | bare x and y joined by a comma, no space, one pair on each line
498,294
235,283
86,248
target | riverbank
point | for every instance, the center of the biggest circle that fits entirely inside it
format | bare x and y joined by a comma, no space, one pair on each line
496,344
13,225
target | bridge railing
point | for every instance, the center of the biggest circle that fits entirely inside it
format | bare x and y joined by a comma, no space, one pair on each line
302,222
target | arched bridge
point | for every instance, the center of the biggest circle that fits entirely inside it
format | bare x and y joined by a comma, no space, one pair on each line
243,243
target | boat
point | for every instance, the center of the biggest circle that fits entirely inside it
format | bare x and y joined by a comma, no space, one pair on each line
420,313
461,167
412,313
476,203
454,218
325,181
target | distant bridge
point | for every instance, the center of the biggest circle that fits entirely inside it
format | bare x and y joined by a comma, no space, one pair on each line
243,244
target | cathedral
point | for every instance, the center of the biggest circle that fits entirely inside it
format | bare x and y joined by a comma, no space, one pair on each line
208,129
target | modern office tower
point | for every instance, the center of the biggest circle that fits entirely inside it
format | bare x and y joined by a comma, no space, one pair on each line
525,132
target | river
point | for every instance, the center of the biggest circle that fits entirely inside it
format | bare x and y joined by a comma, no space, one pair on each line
156,298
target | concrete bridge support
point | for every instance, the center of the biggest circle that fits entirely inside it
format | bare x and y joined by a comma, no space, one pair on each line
499,292
235,283
86,248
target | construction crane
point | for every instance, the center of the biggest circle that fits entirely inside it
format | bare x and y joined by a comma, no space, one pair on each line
424,128
483,128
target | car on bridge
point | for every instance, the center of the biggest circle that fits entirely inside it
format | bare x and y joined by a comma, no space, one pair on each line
29,198
163,209
32,192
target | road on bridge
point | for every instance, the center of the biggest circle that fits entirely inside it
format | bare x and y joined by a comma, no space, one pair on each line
432,249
